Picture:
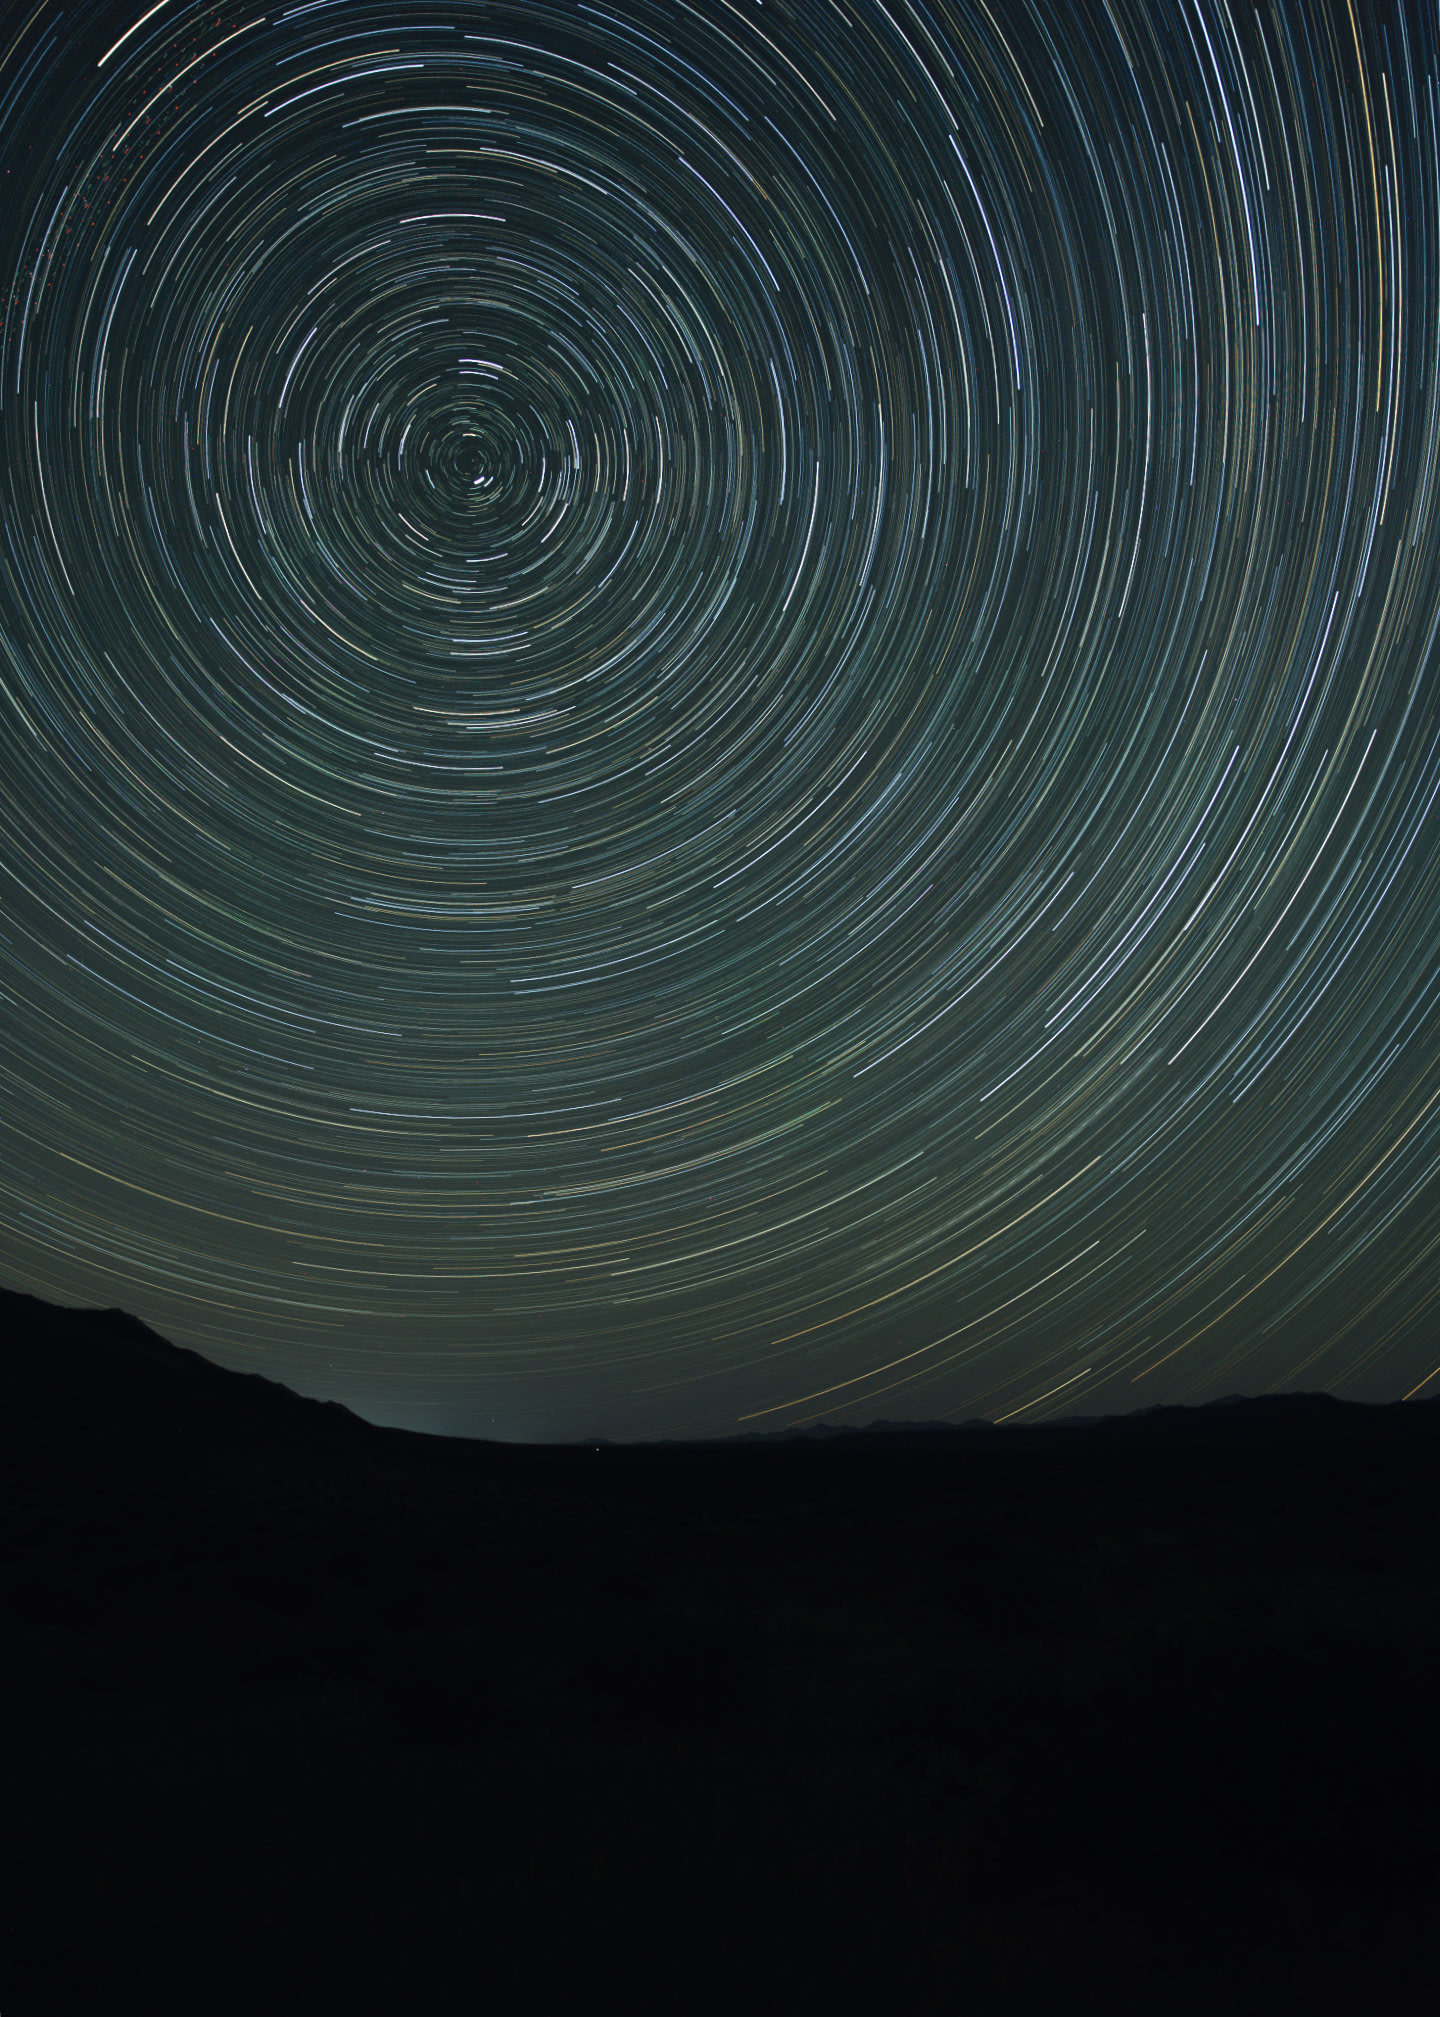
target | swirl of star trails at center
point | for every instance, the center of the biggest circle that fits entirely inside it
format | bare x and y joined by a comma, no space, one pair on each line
710,715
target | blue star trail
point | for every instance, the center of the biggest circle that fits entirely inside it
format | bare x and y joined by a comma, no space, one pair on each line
725,713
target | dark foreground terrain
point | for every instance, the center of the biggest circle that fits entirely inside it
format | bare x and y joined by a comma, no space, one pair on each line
310,1716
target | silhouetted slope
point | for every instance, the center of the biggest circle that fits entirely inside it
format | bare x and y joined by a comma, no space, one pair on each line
74,1370
307,1715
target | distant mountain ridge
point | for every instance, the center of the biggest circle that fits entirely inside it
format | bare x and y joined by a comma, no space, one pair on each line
70,1363
824,1431
1230,1420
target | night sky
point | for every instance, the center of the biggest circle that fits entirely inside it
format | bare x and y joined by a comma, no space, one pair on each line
716,715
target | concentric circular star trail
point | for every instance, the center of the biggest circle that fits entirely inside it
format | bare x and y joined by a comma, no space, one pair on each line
724,713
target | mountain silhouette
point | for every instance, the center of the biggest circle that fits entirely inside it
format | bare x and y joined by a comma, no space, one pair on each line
76,1367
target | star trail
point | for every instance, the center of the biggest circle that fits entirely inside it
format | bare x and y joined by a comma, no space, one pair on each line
722,714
